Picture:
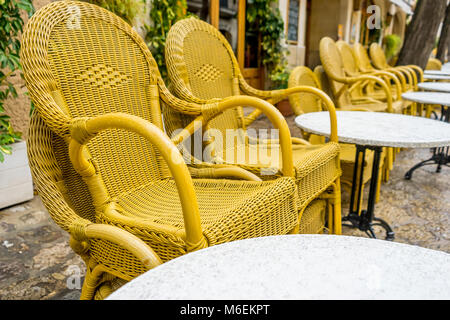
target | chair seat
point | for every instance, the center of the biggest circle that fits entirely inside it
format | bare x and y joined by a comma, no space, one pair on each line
229,210
316,166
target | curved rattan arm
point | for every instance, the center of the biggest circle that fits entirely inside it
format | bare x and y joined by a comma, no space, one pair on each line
398,85
418,69
275,117
398,74
326,100
405,73
248,89
223,172
120,237
377,80
83,129
411,74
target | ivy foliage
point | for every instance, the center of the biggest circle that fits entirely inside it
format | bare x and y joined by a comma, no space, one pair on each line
263,16
164,14
392,45
11,24
128,10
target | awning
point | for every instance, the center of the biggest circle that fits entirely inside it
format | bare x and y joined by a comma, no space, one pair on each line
405,5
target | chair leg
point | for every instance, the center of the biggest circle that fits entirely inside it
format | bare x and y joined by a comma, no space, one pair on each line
380,176
330,208
337,218
91,281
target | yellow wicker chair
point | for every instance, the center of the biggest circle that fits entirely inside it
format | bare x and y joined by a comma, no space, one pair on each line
341,84
434,64
202,66
352,69
379,62
104,168
365,66
304,103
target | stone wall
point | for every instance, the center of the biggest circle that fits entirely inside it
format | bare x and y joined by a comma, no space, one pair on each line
19,108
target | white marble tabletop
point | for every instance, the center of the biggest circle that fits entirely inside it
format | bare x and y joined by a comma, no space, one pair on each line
435,86
436,77
444,72
298,267
440,98
379,129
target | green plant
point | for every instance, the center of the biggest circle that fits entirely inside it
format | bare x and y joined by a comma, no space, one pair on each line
11,25
263,16
392,45
128,10
164,14
280,78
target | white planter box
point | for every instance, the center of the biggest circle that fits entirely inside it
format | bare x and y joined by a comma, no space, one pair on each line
16,184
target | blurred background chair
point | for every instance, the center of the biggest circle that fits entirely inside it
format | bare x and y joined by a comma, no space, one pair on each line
305,102
379,61
434,64
341,85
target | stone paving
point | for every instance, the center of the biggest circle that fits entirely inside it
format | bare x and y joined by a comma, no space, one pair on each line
36,261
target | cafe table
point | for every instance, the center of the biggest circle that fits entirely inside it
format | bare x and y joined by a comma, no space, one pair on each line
444,72
436,77
440,156
292,267
373,131
435,86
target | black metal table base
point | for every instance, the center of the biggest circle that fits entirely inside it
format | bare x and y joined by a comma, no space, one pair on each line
365,220
441,156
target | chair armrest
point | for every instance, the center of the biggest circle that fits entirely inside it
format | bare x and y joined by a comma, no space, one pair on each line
326,101
223,172
418,69
412,74
137,247
377,80
397,81
84,129
276,118
405,73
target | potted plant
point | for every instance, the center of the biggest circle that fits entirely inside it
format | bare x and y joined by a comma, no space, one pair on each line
15,178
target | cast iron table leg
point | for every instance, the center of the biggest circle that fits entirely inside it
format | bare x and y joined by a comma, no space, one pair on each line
440,156
365,220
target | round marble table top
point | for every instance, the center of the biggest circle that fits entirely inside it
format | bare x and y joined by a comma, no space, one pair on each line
436,77
444,72
297,267
435,86
379,129
441,98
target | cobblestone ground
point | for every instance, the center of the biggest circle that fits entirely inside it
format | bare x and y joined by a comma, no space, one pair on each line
36,261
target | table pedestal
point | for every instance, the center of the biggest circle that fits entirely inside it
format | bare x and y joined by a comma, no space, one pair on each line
441,156
365,220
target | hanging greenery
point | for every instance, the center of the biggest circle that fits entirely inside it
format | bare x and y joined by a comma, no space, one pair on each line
11,25
263,16
392,45
128,10
164,14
